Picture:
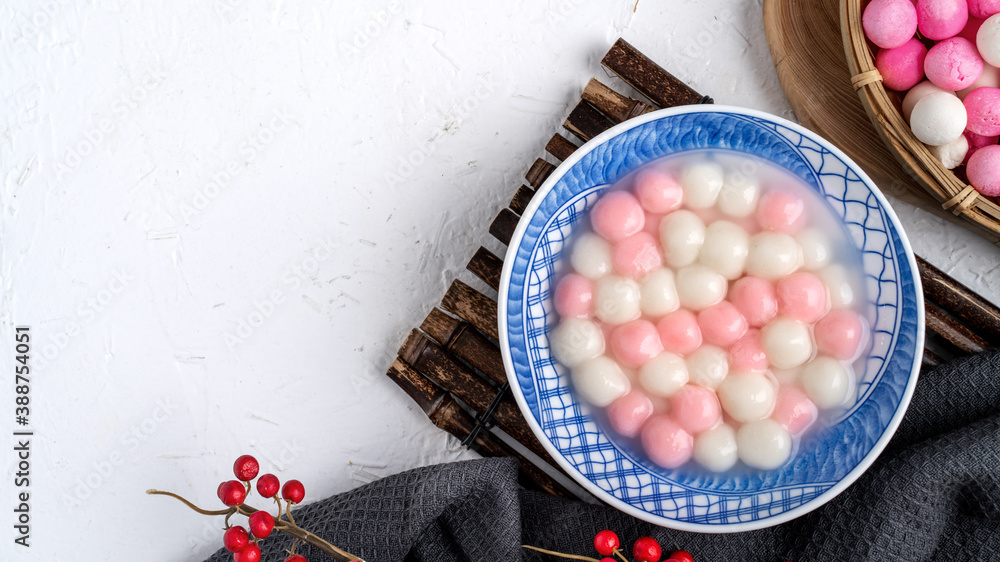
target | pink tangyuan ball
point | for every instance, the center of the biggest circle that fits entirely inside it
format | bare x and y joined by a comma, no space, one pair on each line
983,9
666,442
755,298
984,170
793,410
953,64
695,408
802,296
658,192
889,23
781,211
679,332
637,255
903,67
983,108
747,354
617,215
722,324
574,297
941,19
636,342
628,413
841,334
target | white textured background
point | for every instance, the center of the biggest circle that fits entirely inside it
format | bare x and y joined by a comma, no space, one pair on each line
169,169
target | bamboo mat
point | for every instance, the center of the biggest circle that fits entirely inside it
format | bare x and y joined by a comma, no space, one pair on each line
451,364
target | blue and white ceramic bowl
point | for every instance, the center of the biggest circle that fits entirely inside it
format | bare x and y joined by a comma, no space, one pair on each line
828,459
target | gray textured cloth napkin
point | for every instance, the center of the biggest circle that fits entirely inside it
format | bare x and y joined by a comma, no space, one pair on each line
933,494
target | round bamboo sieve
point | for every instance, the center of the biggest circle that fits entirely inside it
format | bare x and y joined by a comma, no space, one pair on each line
882,107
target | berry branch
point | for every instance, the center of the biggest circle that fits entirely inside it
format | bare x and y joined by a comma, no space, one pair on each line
645,549
245,546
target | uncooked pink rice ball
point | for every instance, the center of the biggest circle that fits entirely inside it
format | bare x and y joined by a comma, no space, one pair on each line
903,67
889,23
984,170
953,64
983,108
941,19
983,9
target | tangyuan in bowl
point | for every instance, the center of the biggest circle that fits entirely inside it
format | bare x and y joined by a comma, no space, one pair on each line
711,319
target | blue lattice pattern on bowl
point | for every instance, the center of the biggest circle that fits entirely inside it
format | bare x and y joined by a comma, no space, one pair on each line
828,459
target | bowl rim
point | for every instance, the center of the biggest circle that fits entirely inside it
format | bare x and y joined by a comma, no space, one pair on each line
578,477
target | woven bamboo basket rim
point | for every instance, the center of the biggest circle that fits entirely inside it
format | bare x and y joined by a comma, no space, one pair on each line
953,194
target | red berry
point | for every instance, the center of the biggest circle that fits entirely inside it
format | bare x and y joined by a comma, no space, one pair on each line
293,491
261,524
606,542
218,491
246,468
233,493
235,539
249,554
682,556
296,558
646,549
267,485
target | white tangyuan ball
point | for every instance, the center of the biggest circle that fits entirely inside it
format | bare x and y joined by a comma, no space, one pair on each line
951,155
715,449
815,246
787,343
591,256
827,382
988,40
702,183
838,284
917,93
600,381
663,375
681,234
617,299
747,396
707,366
773,255
725,249
699,287
659,293
938,118
575,341
763,444
739,195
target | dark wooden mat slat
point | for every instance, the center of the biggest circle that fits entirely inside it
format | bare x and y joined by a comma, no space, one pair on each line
647,77
615,106
970,308
521,198
466,343
473,307
486,266
456,357
963,340
539,172
586,122
560,147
